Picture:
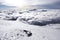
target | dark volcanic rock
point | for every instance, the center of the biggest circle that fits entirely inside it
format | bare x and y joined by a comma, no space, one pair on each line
28,33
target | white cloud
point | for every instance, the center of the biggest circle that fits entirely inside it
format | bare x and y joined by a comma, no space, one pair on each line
27,2
1,1
34,2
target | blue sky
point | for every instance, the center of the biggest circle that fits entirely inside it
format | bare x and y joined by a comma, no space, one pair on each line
55,4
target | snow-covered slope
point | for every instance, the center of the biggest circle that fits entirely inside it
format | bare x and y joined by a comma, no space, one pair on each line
12,30
21,28
41,18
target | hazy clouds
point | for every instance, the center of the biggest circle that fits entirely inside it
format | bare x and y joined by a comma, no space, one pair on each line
47,3
33,2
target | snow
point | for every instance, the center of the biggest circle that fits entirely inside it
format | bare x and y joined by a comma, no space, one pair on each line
48,17
23,28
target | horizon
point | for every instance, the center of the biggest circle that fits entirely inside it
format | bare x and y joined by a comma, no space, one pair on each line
7,4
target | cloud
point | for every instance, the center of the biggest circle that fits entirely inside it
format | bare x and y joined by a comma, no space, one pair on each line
41,2
55,5
48,4
31,2
2,6
1,1
45,3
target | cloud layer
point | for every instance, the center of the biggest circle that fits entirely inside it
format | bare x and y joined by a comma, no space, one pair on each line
46,3
29,2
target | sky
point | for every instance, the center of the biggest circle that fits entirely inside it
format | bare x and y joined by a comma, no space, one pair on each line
21,3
